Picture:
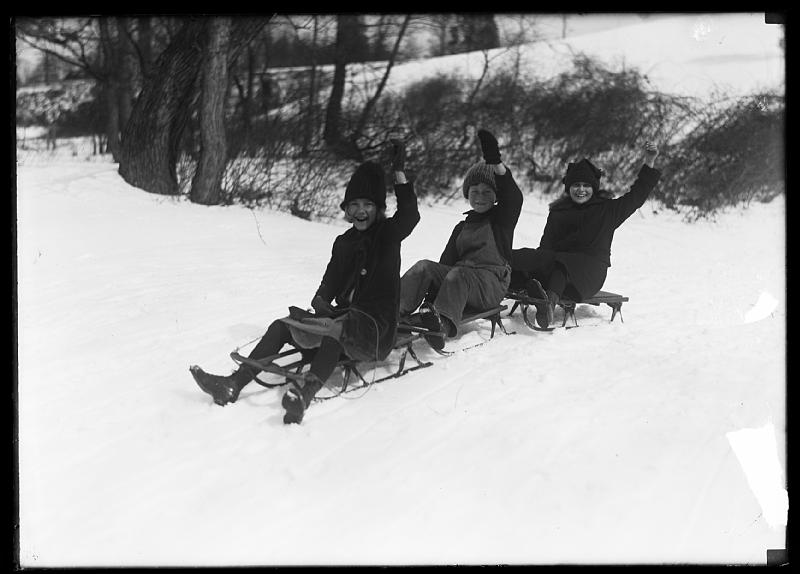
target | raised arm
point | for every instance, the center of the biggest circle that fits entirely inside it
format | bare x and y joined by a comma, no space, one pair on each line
407,215
509,196
646,180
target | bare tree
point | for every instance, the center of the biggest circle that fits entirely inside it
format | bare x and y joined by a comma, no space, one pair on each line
346,28
362,121
207,181
151,139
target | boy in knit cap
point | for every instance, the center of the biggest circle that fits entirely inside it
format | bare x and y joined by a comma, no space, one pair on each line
574,253
474,269
363,280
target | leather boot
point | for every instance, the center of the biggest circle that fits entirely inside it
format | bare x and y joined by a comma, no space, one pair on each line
296,401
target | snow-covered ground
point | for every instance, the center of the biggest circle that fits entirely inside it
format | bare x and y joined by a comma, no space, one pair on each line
658,440
604,443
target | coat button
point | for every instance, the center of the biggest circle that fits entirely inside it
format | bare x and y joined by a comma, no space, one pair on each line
363,272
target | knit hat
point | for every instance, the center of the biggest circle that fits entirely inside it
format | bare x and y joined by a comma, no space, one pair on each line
583,171
480,172
367,182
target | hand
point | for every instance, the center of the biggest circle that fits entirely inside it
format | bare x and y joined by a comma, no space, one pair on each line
398,154
489,147
650,153
322,307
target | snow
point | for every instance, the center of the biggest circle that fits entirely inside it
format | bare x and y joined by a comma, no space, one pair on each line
698,55
609,443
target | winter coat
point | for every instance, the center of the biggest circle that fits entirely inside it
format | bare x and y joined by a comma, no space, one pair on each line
363,276
502,218
581,234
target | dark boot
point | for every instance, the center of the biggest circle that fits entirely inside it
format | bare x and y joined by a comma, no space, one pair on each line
296,401
549,309
223,390
437,331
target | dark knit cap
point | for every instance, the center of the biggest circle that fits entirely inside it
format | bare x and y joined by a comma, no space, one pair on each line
480,172
582,171
367,182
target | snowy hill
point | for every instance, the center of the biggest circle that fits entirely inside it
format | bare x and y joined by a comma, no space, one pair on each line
657,440
606,443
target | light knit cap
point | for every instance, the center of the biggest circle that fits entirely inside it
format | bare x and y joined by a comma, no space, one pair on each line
480,172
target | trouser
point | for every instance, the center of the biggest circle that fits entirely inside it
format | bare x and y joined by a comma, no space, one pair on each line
323,358
540,264
451,289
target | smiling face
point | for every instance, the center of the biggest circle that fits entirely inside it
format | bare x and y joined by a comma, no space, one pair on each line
481,197
580,192
362,213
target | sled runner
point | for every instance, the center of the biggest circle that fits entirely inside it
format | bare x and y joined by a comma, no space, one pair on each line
289,364
522,300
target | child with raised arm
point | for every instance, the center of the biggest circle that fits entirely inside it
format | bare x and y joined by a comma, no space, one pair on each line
574,253
362,279
474,269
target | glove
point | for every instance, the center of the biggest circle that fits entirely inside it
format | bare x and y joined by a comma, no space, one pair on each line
398,155
322,307
489,147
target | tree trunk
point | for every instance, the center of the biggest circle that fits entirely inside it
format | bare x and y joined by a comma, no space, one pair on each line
150,141
151,138
345,24
207,181
311,116
145,44
125,67
110,88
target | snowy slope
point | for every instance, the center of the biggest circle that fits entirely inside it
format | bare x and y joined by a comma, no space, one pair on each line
698,55
597,444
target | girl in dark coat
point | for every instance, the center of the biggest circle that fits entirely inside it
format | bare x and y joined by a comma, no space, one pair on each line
574,253
362,279
474,270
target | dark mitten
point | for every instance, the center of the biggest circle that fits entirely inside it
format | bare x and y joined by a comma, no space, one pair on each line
489,147
398,155
322,307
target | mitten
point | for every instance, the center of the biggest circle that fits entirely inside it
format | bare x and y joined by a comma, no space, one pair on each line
398,155
489,147
322,307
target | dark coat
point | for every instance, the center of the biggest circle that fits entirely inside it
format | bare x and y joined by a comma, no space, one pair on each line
363,275
502,217
579,236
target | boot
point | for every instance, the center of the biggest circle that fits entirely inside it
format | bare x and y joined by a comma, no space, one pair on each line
545,311
296,401
437,330
223,390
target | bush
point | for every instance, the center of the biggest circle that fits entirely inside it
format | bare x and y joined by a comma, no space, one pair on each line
733,156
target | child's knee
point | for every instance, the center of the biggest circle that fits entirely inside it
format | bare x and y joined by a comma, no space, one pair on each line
421,267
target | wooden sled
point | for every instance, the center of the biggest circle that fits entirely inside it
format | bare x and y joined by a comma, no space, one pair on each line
522,300
289,364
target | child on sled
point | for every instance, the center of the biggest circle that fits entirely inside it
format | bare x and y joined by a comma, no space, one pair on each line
362,277
474,269
574,253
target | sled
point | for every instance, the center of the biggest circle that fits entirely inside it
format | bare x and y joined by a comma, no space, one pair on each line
522,300
470,315
289,364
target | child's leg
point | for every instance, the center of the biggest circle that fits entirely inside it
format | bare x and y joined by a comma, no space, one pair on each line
272,342
557,281
468,287
530,263
415,283
326,358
